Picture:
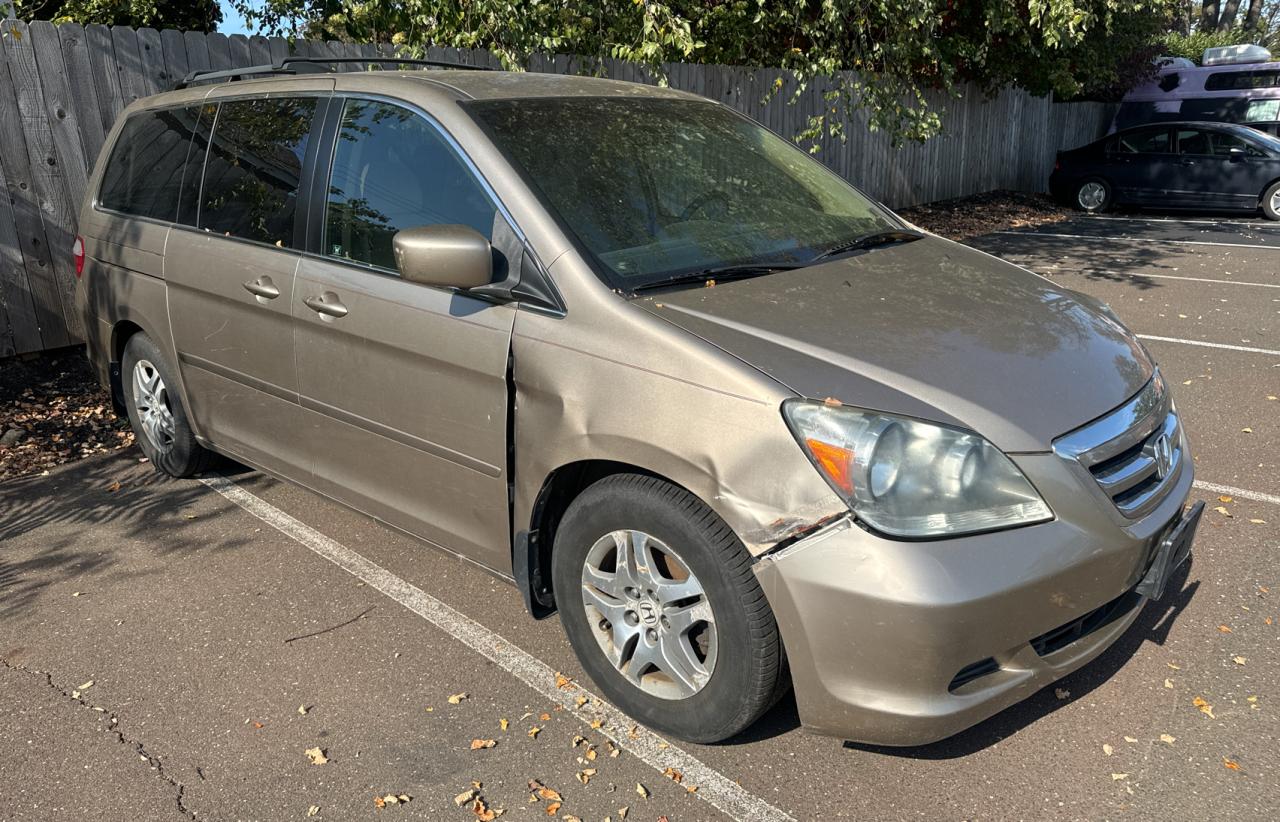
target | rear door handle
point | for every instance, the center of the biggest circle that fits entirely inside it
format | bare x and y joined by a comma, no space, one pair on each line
262,287
326,304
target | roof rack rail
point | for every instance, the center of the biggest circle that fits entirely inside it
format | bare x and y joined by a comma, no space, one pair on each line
305,65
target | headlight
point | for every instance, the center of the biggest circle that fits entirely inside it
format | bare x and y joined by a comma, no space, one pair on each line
913,479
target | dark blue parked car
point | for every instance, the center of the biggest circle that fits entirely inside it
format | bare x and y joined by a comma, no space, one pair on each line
1173,165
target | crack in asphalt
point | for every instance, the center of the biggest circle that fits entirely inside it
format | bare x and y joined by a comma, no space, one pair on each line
113,721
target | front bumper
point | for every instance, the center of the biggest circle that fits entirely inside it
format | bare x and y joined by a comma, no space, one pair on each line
906,643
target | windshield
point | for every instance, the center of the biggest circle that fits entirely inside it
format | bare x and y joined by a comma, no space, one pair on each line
653,188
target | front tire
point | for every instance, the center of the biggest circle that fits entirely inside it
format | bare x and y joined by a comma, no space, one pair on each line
658,599
1271,202
1093,195
156,414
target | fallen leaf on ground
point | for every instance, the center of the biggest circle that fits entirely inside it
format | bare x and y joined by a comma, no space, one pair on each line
477,744
1205,707
1061,693
544,792
1174,667
1224,629
1222,509
1246,430
673,775
259,725
534,731
580,701
483,812
87,685
1119,776
642,790
316,755
302,710
1130,739
1225,499
1239,660
545,717
503,724
562,681
584,775
596,724
456,698
465,797
1230,763
553,808
1107,749
1256,521
622,812
634,733
1168,739
113,487
313,810
1168,683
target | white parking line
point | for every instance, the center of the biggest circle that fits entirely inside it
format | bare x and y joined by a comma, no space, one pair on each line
1088,271
1136,240
1256,496
1204,344
1243,223
713,786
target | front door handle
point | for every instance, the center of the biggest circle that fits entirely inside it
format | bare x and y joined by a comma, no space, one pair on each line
262,287
326,304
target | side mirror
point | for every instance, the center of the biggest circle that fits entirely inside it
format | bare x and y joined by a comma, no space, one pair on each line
450,256
1236,154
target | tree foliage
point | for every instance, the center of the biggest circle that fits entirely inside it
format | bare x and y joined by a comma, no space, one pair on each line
193,15
881,55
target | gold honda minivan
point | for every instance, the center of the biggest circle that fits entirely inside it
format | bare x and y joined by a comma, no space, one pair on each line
743,428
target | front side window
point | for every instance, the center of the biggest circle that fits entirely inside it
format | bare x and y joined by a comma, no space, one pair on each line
1224,141
1194,141
654,189
1147,141
143,176
393,170
254,168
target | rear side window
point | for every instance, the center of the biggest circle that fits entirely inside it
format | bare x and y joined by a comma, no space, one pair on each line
254,168
1267,78
1147,141
144,173
393,170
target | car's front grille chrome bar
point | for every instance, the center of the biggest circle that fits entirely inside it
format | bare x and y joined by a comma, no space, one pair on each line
1134,452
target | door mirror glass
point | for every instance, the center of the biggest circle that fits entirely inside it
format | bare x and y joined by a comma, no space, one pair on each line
449,256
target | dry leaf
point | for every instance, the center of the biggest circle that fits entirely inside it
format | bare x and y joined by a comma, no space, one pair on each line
477,744
591,754
1119,776
1130,739
1174,667
87,685
503,724
113,487
1168,739
483,812
1224,629
534,731
1061,693
562,681
1107,749
1222,509
316,755
1267,620
553,808
465,797
1246,430
456,698
597,724
673,775
1239,660
634,733
1168,683
313,810
1256,521
545,717
580,701
547,793
1225,499
259,725
1205,707
302,710
622,812
642,790
379,802
1230,763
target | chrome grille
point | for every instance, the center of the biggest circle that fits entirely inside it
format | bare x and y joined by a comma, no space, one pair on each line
1134,453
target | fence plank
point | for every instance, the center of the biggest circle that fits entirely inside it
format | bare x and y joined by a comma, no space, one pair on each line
106,77
27,165
57,110
238,45
128,64
197,51
84,92
173,47
21,322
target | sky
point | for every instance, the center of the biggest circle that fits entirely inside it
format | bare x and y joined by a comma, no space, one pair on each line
232,22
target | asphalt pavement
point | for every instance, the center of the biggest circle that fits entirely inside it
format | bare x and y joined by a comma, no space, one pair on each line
172,649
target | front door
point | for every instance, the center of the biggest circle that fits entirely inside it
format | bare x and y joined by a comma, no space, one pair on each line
403,386
230,267
1138,164
1216,177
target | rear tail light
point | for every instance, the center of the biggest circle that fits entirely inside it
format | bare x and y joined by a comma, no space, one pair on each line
77,251
1057,165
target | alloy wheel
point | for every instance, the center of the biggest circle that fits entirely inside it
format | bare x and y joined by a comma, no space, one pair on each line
1091,195
151,399
649,614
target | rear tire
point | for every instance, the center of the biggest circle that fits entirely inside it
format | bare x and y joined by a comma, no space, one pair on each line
156,414
729,666
1093,195
1271,202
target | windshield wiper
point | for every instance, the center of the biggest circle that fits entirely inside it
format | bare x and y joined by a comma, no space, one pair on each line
869,241
718,273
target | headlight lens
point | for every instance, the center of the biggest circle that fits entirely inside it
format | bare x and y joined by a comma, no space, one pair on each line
910,478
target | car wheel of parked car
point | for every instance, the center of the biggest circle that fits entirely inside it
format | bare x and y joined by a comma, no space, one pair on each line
659,601
1271,202
1093,195
155,411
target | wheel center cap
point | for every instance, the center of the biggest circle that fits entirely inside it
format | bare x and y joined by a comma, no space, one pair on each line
648,613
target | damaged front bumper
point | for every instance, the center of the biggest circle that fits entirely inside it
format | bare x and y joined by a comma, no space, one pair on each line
905,643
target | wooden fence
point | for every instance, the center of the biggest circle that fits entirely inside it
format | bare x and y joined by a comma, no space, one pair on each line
61,88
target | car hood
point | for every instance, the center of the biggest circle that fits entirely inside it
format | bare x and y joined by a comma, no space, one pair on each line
930,329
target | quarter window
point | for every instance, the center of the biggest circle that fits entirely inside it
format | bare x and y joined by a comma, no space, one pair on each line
143,176
254,168
393,170
1147,141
